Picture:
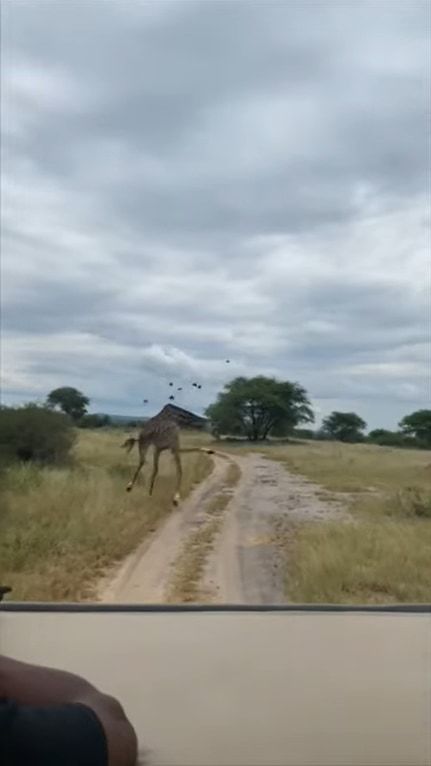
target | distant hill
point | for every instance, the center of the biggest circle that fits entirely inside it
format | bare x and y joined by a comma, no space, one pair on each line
123,419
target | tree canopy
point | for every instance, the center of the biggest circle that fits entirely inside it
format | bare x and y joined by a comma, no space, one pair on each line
259,407
344,426
419,425
71,401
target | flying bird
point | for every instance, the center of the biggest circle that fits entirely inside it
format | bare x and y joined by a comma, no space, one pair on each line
145,401
227,361
199,386
171,384
171,398
179,389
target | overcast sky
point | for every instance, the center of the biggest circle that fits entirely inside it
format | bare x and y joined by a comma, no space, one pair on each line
190,182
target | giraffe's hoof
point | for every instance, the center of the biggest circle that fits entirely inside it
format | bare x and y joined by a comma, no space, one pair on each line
176,499
129,488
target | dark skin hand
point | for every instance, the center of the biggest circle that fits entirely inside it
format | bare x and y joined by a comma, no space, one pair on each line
28,684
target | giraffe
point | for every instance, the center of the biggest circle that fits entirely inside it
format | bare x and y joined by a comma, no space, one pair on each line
162,431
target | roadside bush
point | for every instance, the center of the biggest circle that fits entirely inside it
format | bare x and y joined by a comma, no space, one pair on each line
94,421
303,433
322,436
34,433
410,502
385,438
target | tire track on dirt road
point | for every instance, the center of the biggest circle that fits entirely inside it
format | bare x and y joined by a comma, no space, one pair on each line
247,564
244,562
145,574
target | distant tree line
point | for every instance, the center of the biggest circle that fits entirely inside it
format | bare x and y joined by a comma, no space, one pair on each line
414,430
250,408
261,407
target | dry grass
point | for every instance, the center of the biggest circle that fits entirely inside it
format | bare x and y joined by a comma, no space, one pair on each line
61,527
385,556
373,562
349,467
190,564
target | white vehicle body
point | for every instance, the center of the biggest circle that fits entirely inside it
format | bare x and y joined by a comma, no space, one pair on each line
306,686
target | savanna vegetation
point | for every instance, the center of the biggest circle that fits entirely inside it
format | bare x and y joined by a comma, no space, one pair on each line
262,408
63,522
382,552
33,433
65,516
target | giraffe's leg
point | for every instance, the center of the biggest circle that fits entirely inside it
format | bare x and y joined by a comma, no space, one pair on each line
176,454
155,468
142,453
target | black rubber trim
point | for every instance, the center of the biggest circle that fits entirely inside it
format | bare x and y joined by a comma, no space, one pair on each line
88,608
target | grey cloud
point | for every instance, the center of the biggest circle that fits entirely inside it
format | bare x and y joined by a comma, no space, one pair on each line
153,86
46,305
189,131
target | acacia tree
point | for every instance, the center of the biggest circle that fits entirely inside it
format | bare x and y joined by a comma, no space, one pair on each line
260,406
71,401
419,425
344,426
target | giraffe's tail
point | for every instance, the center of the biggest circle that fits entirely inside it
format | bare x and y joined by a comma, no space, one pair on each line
129,443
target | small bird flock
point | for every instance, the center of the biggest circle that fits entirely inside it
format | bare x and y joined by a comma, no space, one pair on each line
194,384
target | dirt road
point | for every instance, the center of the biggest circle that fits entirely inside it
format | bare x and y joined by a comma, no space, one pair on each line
243,562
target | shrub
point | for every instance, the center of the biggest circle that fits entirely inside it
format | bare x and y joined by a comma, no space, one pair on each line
410,502
304,433
94,421
322,436
34,433
385,438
